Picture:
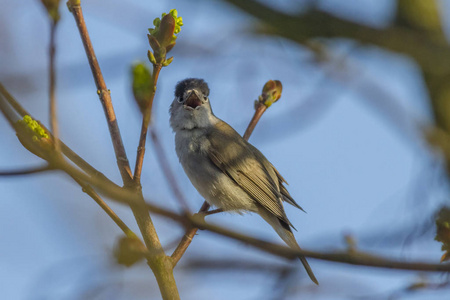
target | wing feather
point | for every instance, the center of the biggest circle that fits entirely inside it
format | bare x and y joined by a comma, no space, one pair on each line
243,164
284,192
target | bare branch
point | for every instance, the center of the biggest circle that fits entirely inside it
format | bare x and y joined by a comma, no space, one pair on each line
26,171
75,158
52,87
213,212
93,194
187,238
103,93
145,123
260,109
234,265
9,114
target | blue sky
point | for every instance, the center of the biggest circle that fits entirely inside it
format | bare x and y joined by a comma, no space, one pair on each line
352,165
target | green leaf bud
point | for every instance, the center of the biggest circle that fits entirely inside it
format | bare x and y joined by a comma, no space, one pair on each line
166,30
271,92
129,250
141,84
151,57
168,61
52,7
153,42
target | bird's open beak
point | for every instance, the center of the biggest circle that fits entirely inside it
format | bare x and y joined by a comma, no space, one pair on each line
193,100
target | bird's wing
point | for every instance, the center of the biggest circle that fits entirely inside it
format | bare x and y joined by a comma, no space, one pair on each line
286,196
243,164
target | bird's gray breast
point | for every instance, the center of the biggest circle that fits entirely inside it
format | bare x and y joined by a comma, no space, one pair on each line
216,187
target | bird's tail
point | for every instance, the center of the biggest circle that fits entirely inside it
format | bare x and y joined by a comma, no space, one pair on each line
288,238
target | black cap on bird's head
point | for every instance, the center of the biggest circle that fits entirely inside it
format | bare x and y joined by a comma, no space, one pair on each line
191,107
192,92
190,84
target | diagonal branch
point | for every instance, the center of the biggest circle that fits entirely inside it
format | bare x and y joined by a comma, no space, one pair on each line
259,111
26,171
145,124
75,158
103,93
93,194
52,86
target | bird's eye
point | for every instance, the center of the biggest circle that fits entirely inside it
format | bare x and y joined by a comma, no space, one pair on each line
205,98
180,100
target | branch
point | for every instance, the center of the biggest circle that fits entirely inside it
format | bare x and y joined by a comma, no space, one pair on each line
103,93
75,158
145,123
260,109
52,87
187,238
26,171
9,114
233,265
91,192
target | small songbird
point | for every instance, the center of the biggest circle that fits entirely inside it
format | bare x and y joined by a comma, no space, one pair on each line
226,170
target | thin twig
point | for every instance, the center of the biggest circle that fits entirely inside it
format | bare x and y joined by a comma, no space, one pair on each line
104,94
27,171
145,124
6,110
234,265
187,238
213,212
93,194
259,110
165,167
75,174
52,87
190,233
75,158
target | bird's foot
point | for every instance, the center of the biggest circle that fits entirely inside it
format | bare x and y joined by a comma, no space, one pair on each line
200,216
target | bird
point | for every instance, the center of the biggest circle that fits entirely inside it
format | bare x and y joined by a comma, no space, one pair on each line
228,171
